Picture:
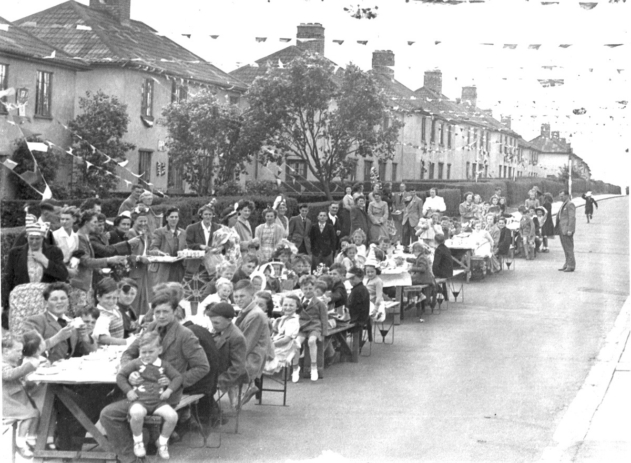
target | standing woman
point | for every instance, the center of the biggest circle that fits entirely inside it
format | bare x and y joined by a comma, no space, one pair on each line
345,212
269,234
81,283
467,208
65,237
589,205
547,229
122,225
280,205
242,226
480,208
378,215
359,217
167,241
357,191
139,262
154,221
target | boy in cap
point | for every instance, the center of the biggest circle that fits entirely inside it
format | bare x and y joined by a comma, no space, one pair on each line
230,343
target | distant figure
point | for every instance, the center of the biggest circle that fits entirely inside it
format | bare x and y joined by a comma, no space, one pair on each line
565,226
589,205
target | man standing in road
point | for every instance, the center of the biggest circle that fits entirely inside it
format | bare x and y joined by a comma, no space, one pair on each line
397,211
433,203
412,212
565,227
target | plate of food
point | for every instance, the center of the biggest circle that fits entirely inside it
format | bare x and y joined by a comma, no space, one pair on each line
48,370
163,259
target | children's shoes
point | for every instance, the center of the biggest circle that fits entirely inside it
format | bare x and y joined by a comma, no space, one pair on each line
314,373
295,375
139,450
163,451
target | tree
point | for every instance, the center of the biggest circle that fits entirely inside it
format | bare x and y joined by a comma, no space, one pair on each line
563,173
307,112
205,141
101,126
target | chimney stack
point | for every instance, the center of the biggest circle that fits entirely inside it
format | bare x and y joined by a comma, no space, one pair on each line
120,9
487,112
315,33
434,81
555,135
545,130
382,62
470,96
506,120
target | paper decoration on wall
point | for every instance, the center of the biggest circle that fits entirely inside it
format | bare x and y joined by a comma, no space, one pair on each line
579,111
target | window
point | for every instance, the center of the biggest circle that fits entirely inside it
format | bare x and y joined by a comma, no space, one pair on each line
144,165
351,173
393,174
367,167
468,139
431,170
4,84
486,171
382,171
474,170
467,170
234,100
423,134
386,122
175,178
296,170
432,133
448,171
179,93
43,96
488,145
422,176
441,167
146,107
441,129
505,171
449,136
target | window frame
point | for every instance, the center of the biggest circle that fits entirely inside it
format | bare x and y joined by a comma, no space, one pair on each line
4,84
432,133
441,169
299,166
179,92
383,168
368,164
146,104
431,171
423,129
142,155
449,171
393,171
44,102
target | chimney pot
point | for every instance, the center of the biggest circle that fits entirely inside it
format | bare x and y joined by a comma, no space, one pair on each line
382,62
555,135
120,9
470,96
314,32
545,130
507,121
434,81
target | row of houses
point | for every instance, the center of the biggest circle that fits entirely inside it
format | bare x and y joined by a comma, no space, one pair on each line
53,57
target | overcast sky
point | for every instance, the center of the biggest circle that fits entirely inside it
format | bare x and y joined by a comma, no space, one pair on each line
471,52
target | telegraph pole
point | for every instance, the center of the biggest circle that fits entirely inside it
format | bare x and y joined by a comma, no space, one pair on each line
569,170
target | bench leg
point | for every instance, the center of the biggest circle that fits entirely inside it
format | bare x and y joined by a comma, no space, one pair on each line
398,316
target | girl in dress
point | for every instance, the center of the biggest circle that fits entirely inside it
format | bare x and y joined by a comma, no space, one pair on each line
349,254
17,406
374,284
284,333
269,234
280,206
359,239
532,202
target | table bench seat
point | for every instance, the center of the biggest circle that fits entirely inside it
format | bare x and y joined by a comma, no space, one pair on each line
185,401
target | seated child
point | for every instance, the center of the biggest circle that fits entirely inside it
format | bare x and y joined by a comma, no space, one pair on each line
344,242
284,333
224,290
313,325
258,281
17,406
264,300
374,284
89,316
273,283
301,266
349,261
109,327
253,249
322,286
359,240
149,397
536,214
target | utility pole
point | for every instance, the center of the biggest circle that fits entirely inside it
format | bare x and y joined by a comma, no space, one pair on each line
569,170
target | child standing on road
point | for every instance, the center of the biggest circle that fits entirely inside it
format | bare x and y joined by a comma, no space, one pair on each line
149,397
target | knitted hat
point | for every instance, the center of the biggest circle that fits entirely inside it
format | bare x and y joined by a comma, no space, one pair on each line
36,229
223,309
29,219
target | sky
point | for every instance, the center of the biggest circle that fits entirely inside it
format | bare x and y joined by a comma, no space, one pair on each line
467,42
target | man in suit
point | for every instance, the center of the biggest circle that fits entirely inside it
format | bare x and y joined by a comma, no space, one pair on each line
336,223
397,211
199,236
299,230
49,257
565,227
180,347
130,203
412,212
322,241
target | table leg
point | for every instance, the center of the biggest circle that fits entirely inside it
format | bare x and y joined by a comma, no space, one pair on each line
467,260
399,298
45,419
357,335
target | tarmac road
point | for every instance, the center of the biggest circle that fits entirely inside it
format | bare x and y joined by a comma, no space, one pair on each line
487,380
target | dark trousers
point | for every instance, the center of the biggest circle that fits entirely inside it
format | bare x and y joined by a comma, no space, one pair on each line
568,248
316,260
302,249
114,420
408,233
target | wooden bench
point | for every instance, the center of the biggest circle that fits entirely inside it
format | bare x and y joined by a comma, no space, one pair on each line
394,308
405,293
457,272
350,353
186,400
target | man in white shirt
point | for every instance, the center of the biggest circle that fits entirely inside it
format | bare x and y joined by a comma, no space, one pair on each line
433,203
334,220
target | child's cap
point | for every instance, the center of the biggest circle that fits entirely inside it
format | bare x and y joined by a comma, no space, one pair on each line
222,309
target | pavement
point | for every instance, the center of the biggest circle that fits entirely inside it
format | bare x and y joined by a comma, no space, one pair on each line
531,366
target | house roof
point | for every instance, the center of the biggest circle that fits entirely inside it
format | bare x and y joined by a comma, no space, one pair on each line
17,41
250,72
550,145
99,38
398,95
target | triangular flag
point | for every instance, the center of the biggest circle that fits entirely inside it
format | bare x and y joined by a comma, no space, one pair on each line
362,42
124,163
261,39
52,55
88,164
48,194
284,40
8,163
339,42
33,146
280,64
127,182
214,36
410,42
279,182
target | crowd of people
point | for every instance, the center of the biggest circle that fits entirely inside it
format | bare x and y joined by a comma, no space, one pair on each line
194,307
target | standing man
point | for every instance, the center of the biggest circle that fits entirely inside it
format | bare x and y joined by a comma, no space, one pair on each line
433,204
323,240
412,212
335,222
565,227
300,229
199,236
397,211
130,203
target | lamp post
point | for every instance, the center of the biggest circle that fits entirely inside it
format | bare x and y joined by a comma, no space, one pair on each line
569,170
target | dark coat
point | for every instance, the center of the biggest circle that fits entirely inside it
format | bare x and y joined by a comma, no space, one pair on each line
299,232
337,227
17,269
322,243
443,266
208,384
359,304
339,295
194,239
589,204
359,220
506,239
232,350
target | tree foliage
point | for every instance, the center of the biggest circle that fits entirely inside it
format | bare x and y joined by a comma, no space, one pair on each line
563,173
305,111
48,165
102,125
205,141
